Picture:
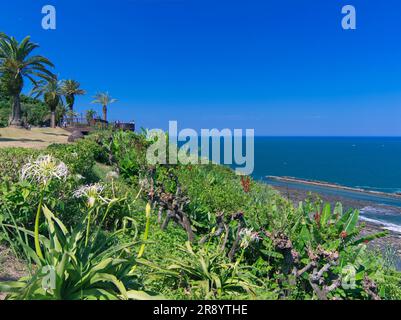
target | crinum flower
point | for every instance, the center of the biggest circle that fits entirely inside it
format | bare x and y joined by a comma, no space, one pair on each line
247,237
112,175
92,192
44,169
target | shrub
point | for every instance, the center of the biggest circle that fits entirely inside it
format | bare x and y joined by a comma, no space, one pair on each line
12,160
79,157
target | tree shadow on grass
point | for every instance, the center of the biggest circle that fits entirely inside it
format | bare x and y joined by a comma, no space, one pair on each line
20,140
56,134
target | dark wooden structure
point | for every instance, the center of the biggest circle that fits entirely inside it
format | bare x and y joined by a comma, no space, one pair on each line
82,124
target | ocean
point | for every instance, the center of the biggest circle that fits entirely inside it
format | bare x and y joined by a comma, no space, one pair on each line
371,163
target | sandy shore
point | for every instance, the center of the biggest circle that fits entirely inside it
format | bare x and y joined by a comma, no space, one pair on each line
392,241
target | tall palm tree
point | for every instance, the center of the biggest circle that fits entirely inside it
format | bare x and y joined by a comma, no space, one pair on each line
16,64
104,99
70,90
52,96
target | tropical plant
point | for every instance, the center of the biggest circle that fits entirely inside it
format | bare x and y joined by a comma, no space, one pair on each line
206,273
34,111
90,115
72,270
52,95
316,248
71,88
16,64
42,171
70,115
104,99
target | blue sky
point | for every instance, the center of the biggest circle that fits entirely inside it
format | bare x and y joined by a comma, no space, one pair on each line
282,67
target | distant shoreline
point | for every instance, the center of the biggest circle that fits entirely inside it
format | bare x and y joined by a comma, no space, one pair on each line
333,186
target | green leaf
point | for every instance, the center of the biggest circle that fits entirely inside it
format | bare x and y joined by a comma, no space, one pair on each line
325,215
141,295
106,277
371,237
11,286
343,220
352,221
93,294
338,210
305,235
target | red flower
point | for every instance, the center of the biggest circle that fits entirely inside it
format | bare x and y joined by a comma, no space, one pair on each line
366,241
246,184
317,218
343,234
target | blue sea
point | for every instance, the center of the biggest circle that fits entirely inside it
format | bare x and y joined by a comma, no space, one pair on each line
369,163
372,163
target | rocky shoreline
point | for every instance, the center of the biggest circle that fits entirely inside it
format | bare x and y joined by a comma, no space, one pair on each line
334,186
392,242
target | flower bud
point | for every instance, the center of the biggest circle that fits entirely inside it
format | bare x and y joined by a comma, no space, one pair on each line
148,209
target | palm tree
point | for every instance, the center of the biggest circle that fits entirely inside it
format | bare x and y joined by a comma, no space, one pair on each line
70,90
16,64
104,99
71,115
90,115
52,93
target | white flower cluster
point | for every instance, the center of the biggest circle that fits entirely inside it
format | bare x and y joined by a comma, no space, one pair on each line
112,175
248,236
92,192
44,169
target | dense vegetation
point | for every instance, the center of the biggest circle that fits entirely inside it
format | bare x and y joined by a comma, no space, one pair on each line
33,111
112,227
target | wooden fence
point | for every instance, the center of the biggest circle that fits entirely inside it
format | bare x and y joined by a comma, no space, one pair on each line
83,123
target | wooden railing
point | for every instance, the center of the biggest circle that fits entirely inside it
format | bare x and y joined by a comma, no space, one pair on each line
83,123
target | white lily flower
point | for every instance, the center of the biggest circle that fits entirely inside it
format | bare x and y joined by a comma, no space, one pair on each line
92,192
112,175
248,236
44,169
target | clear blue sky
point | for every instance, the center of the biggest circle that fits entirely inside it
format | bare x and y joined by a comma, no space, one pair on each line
283,67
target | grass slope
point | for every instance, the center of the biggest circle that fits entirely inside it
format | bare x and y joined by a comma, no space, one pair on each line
36,138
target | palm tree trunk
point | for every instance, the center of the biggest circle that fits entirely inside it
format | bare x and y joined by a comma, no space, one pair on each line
53,119
105,113
15,120
70,101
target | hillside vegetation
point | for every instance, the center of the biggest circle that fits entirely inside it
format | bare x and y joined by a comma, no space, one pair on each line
109,226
